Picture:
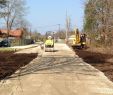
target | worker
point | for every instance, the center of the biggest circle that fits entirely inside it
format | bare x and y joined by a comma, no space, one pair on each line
83,40
49,42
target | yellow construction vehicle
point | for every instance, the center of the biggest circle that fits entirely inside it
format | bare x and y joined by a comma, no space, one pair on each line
49,44
77,40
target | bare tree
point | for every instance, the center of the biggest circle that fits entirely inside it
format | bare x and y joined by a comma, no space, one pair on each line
2,3
60,34
98,20
15,10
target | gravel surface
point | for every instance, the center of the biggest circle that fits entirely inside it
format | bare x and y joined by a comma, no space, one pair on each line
53,73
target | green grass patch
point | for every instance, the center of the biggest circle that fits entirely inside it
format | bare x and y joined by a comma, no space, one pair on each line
7,50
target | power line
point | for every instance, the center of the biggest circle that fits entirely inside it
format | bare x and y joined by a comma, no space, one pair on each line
49,26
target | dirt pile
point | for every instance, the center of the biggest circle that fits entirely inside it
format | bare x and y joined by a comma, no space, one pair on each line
99,59
10,62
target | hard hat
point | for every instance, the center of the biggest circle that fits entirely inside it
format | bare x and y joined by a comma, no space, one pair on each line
49,37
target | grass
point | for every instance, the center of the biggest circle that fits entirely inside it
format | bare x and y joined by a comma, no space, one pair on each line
7,50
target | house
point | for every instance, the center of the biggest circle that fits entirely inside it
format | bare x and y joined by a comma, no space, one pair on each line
16,37
18,33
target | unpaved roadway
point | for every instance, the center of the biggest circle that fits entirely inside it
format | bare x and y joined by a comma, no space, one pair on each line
57,73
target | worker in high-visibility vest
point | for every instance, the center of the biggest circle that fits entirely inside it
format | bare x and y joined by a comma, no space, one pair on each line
49,42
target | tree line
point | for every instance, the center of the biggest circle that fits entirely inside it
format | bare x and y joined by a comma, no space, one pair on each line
98,21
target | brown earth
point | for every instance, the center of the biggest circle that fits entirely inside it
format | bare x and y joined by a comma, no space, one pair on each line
10,62
100,58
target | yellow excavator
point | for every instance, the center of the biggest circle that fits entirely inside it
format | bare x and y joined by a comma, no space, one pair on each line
78,40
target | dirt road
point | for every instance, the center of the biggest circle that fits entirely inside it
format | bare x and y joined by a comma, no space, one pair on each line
57,73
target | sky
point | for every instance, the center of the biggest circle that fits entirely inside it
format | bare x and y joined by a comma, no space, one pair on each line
45,15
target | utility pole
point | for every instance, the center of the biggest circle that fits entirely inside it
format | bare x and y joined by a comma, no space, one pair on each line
53,38
59,27
67,26
46,35
30,32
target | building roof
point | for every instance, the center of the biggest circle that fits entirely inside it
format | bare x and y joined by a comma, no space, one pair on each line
12,33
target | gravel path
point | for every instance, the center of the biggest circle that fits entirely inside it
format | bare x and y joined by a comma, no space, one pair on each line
57,73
